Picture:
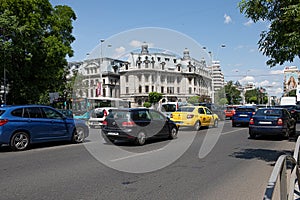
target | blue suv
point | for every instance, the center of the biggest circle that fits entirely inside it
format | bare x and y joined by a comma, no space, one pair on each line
243,115
23,125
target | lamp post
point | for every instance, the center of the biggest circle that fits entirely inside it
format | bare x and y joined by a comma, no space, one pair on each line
100,86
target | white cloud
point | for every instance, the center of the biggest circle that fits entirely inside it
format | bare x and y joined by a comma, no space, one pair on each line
249,22
276,72
246,79
120,50
227,19
138,44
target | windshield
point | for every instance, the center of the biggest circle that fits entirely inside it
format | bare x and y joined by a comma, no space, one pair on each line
186,109
268,112
168,107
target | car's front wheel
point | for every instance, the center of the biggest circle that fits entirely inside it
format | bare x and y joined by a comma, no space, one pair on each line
19,141
78,135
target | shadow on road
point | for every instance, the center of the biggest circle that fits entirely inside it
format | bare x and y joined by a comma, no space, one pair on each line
267,155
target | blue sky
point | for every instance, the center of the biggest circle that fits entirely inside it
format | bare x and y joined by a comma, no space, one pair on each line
209,23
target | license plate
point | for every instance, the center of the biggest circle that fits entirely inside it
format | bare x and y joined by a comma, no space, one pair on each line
112,133
243,115
265,122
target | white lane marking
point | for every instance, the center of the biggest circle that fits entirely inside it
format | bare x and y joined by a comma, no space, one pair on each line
236,130
136,154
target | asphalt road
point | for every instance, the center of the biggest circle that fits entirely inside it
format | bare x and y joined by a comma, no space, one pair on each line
209,164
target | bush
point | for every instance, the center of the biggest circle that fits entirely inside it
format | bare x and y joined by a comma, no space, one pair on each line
147,104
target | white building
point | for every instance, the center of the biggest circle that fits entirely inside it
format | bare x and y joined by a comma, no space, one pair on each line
137,74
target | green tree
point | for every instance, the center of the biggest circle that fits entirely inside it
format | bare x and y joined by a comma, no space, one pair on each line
35,39
154,97
233,95
281,42
194,100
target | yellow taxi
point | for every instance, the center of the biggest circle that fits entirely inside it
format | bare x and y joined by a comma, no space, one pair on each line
194,116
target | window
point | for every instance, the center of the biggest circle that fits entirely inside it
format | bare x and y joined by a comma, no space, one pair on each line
208,112
155,115
52,114
162,89
34,112
201,111
127,90
126,79
146,88
17,113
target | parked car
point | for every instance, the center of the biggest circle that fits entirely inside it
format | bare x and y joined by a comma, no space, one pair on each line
85,116
66,112
169,107
195,116
230,111
243,115
97,116
272,121
294,110
137,124
21,126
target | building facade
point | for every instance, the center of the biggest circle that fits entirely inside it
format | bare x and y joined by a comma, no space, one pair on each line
137,74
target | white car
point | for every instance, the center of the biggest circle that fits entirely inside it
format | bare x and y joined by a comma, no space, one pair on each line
97,116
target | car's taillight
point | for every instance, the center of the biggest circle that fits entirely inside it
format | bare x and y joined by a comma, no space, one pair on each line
104,122
253,113
105,113
128,124
189,116
279,122
3,121
293,111
251,121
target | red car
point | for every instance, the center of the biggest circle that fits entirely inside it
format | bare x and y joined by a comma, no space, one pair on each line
230,111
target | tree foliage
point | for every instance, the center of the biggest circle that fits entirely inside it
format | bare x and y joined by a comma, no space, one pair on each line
154,97
281,42
35,39
233,95
256,96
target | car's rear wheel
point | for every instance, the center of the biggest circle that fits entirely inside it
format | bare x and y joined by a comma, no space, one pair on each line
252,135
216,123
233,124
197,125
19,141
141,138
173,133
78,135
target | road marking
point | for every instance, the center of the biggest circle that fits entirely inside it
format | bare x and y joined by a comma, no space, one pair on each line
236,130
136,154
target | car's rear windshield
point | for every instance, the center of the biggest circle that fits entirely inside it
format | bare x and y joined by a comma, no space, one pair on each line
168,107
230,108
268,112
186,109
97,113
245,110
119,114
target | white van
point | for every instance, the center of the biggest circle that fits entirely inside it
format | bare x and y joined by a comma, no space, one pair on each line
169,107
97,116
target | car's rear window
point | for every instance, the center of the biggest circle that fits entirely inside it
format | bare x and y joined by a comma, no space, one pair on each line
97,113
268,112
230,108
168,107
245,110
119,114
1,112
186,109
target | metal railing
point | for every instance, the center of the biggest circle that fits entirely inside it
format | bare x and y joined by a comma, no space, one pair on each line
286,168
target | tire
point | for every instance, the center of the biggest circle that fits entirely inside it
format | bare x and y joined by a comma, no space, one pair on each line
78,135
19,141
173,133
252,135
141,138
216,123
233,124
197,126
